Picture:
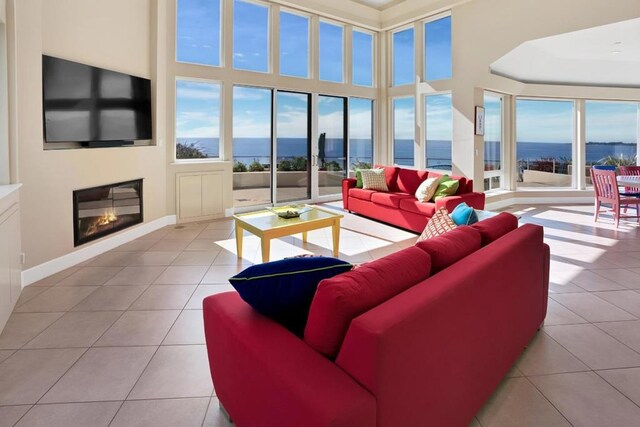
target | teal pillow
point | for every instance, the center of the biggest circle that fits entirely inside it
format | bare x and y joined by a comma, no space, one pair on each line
359,178
464,214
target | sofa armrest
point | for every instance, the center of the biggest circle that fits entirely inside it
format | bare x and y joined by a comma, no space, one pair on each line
475,200
347,184
266,376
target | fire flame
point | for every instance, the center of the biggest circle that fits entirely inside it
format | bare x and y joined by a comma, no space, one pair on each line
105,219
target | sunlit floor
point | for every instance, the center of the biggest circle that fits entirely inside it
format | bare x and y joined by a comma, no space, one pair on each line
118,340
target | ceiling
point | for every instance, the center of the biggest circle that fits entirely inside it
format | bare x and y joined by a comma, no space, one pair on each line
379,4
608,55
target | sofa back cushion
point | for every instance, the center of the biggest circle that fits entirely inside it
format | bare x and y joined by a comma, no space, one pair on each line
410,179
493,228
451,247
390,175
342,298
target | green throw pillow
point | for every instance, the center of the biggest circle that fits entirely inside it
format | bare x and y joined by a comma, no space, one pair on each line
359,178
446,187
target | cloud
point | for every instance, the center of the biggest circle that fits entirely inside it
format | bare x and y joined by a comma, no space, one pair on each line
186,90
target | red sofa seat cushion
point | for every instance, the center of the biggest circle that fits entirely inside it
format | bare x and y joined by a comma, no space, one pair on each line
423,208
451,247
390,199
410,179
342,298
361,194
390,176
493,228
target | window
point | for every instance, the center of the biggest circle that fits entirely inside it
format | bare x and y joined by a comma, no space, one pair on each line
331,52
251,146
404,112
544,142
332,148
250,36
403,57
492,141
360,133
611,133
294,45
439,131
437,49
362,58
198,32
197,120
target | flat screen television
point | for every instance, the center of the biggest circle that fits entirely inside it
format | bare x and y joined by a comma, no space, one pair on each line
93,106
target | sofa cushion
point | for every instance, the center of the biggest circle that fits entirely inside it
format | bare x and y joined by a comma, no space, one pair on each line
446,187
390,199
283,290
464,214
409,180
374,179
493,228
451,247
361,194
342,298
427,189
439,224
462,181
412,205
390,175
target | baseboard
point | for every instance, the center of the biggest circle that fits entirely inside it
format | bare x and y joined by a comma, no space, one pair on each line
501,204
48,268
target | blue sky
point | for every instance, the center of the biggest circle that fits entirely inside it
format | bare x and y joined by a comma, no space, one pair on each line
611,121
403,57
197,109
198,38
331,52
362,58
492,118
437,41
294,45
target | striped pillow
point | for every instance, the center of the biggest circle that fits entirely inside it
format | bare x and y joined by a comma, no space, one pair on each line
374,179
439,224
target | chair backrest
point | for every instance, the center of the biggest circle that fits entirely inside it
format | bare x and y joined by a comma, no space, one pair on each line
605,167
605,185
630,170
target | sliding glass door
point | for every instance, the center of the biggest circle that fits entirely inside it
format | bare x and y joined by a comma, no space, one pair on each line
331,160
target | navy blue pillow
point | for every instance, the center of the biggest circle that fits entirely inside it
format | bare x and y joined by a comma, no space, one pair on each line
283,290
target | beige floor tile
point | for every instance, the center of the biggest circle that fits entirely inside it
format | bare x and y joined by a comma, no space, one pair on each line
231,258
545,356
221,273
56,299
117,298
590,307
90,276
629,301
9,415
57,277
174,275
4,354
215,417
135,246
475,423
162,413
27,375
143,275
514,372
156,258
625,332
80,329
518,403
626,381
95,414
101,374
188,258
139,328
591,281
627,278
182,234
164,297
594,347
29,293
157,234
587,400
209,245
188,329
113,259
560,315
213,234
23,327
174,372
170,246
223,224
203,291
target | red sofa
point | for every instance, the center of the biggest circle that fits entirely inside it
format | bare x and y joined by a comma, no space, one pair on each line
428,356
399,206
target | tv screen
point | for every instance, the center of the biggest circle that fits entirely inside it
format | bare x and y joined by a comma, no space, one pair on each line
89,104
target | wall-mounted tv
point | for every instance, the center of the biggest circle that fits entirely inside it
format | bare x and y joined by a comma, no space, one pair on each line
93,106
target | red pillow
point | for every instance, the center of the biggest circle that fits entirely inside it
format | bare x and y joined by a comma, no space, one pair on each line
493,228
342,298
410,179
390,176
451,247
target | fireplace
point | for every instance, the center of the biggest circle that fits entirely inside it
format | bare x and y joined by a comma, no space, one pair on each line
103,210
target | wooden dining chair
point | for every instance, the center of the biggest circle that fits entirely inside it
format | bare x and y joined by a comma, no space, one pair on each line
607,193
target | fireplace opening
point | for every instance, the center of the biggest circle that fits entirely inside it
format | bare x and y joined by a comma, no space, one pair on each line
103,210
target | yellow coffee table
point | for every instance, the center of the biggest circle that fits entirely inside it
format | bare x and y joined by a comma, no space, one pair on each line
267,225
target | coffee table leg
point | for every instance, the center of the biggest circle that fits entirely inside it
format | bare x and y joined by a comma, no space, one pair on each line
304,237
265,243
336,238
239,235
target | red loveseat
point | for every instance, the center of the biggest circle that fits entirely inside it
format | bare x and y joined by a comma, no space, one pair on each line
428,356
399,206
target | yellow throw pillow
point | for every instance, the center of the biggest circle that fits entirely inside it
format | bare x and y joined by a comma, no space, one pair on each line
374,179
439,224
427,189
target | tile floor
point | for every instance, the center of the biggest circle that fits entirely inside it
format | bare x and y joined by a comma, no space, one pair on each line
118,340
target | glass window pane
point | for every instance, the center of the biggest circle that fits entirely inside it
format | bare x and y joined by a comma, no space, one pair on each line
439,131
293,147
360,133
492,132
362,58
294,45
250,36
197,120
544,143
198,28
331,52
403,131
251,146
437,44
332,157
403,58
